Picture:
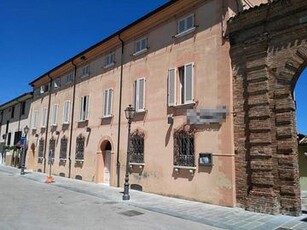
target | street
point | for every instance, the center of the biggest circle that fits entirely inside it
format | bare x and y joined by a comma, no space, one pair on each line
29,204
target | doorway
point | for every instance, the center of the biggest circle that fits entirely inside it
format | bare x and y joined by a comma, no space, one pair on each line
104,159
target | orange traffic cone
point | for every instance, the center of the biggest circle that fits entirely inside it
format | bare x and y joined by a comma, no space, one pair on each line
49,180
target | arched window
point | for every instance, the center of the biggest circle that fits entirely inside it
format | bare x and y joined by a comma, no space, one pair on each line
41,145
137,147
80,148
51,147
184,148
63,148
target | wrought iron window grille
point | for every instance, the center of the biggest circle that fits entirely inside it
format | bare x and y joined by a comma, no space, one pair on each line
52,147
63,148
184,149
41,145
80,148
137,147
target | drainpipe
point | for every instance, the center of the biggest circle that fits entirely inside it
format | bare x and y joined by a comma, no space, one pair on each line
72,118
19,118
47,125
119,110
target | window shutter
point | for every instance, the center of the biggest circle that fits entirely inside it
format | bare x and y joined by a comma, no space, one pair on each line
86,112
66,112
188,84
110,97
81,109
135,95
141,94
105,106
54,114
171,87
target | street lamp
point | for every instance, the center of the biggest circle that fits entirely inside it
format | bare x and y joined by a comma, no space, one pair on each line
129,113
25,130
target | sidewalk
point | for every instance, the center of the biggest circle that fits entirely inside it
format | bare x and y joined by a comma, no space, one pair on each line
221,217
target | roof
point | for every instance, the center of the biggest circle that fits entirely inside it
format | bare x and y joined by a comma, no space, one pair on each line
16,100
171,2
303,141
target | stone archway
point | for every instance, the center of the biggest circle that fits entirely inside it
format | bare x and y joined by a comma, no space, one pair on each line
268,52
104,162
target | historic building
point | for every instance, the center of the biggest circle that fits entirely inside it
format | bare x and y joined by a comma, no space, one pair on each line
173,66
14,116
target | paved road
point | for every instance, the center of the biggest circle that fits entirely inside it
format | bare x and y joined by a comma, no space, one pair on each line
26,202
30,204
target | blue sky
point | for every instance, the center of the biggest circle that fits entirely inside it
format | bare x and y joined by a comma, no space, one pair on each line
37,35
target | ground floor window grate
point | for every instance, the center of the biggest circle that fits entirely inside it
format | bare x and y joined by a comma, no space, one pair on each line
184,149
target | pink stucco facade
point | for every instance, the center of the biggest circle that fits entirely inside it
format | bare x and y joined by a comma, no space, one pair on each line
203,48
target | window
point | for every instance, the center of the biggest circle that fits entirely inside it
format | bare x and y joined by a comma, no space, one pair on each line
110,60
37,92
137,147
34,119
12,112
63,148
80,148
66,112
9,135
57,83
23,108
69,78
84,101
17,137
41,145
108,97
51,147
139,95
44,117
54,114
44,88
185,25
140,46
184,149
85,71
186,85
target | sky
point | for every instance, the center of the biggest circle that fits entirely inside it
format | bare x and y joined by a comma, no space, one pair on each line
38,35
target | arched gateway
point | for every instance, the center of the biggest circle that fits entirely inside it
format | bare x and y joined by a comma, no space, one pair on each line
268,52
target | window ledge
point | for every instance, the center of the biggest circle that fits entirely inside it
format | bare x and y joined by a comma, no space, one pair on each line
79,160
65,123
85,75
182,105
63,159
81,121
107,117
140,52
140,165
181,34
109,65
191,169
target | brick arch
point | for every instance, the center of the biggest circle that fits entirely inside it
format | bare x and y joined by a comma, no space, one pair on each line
267,59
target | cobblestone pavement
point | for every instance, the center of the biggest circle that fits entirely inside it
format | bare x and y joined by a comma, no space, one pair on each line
161,212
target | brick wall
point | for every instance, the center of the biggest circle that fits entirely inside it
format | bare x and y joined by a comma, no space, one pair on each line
268,51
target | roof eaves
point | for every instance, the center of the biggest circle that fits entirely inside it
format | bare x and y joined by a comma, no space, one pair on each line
171,2
16,99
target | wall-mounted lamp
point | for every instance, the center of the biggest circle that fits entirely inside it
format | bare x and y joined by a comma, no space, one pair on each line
83,58
57,132
36,135
88,129
305,154
170,120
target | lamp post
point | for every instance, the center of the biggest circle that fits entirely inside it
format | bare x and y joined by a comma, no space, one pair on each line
23,155
129,113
